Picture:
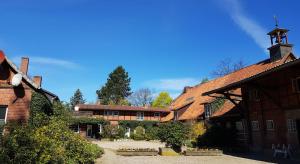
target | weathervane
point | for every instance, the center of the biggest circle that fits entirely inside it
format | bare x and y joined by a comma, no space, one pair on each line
276,21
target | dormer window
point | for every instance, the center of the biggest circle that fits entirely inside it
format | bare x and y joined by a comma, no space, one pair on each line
207,110
189,99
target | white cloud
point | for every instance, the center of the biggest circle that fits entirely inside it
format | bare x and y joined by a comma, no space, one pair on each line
248,25
49,61
171,84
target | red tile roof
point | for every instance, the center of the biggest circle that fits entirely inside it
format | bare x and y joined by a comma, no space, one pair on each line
90,107
196,108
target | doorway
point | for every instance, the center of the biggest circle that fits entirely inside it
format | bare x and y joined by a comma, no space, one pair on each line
89,131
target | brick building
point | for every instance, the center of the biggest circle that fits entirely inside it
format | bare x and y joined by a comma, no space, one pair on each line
116,113
15,90
270,94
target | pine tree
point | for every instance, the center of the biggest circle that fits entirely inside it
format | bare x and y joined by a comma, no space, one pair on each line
77,98
116,89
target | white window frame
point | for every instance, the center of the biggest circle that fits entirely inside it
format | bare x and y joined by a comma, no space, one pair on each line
156,114
270,122
291,125
6,111
255,125
140,116
100,128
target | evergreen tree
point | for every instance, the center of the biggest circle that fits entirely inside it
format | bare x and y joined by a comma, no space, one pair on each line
77,98
163,100
116,89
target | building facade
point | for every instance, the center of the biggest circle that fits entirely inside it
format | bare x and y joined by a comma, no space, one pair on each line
114,114
16,89
270,96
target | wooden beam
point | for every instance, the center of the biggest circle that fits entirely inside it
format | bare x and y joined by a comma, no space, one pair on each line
273,99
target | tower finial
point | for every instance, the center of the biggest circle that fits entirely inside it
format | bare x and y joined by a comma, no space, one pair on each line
276,21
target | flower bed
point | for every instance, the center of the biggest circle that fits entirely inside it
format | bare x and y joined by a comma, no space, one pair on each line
137,152
203,152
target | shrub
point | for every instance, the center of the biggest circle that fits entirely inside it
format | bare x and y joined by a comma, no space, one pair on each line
174,134
52,143
133,124
110,131
217,136
152,133
139,133
47,138
197,129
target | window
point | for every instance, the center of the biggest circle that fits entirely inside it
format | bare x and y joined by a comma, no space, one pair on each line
3,114
291,125
239,125
140,116
296,84
175,115
255,125
207,110
115,113
270,125
189,99
156,115
108,113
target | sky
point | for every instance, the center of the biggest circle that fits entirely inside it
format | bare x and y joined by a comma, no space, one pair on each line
164,45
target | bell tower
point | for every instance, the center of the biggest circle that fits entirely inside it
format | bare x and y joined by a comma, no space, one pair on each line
279,43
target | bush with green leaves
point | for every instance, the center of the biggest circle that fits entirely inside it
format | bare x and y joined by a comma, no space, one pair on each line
113,132
174,134
139,133
133,124
47,140
211,138
152,133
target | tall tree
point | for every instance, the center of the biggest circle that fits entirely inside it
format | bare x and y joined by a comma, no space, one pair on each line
141,97
162,100
204,80
116,89
226,67
77,98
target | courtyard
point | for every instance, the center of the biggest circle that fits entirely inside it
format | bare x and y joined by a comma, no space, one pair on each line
110,156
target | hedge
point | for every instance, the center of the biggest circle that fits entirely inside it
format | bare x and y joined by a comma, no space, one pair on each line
134,124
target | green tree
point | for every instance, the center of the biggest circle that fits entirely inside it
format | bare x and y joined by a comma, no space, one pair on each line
204,80
77,98
40,110
162,100
116,89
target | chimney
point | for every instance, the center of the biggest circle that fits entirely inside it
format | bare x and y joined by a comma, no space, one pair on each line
37,80
24,65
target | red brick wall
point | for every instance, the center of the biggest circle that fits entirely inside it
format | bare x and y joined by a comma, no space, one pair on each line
17,99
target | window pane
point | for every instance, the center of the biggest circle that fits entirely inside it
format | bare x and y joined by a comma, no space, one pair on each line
2,112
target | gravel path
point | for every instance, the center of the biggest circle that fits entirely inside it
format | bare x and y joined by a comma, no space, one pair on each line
111,158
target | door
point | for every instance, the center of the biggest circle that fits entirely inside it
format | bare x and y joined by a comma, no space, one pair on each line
89,131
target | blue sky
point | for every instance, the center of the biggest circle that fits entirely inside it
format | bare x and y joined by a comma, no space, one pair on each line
163,44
